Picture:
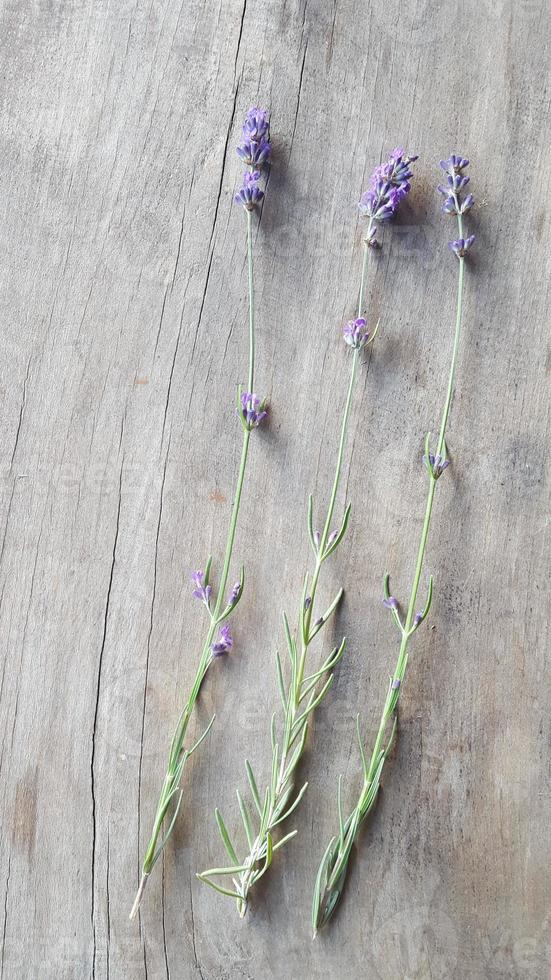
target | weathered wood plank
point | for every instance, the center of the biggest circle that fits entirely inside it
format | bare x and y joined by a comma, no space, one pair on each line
123,310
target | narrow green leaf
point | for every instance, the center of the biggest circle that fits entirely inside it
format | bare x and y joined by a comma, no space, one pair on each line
311,524
217,888
293,806
341,533
254,787
201,737
362,752
284,840
246,819
339,807
280,681
225,836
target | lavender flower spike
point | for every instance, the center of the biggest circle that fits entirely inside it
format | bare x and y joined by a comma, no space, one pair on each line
224,642
255,151
389,184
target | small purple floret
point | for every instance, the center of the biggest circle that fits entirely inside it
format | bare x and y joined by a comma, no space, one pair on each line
257,125
253,409
249,194
417,620
436,464
224,642
461,246
390,603
396,683
254,154
355,333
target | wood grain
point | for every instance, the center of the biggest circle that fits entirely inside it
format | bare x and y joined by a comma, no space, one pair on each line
123,311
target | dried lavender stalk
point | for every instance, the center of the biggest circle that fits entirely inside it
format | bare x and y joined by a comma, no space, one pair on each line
333,869
254,150
303,692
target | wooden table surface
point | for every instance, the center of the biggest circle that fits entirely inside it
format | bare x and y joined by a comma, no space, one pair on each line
123,310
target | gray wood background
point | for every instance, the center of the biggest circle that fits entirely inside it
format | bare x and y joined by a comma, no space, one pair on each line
123,310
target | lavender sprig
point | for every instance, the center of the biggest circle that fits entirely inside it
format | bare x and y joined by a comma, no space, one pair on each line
251,412
333,868
303,691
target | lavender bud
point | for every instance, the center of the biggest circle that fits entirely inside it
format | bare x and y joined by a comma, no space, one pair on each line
307,603
461,246
417,620
436,464
201,591
317,538
224,642
319,622
332,538
396,683
390,603
253,409
234,594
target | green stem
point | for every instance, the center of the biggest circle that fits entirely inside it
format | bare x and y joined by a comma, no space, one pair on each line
250,383
177,754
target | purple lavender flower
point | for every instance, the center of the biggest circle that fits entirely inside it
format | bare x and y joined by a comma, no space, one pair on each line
224,642
201,591
332,538
418,619
307,603
253,409
257,125
436,464
390,603
396,684
249,194
254,154
461,246
388,185
355,333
